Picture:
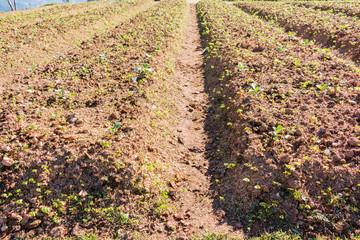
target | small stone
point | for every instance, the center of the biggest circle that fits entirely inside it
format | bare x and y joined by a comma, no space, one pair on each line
288,111
33,224
170,225
349,154
6,149
58,232
295,184
34,140
285,158
354,142
7,161
327,152
268,161
3,228
83,193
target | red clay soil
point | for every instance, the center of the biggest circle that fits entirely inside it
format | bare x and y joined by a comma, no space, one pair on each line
288,127
24,57
198,201
82,153
349,9
108,151
326,29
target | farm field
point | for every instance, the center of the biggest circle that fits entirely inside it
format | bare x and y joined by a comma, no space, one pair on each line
279,104
351,9
180,120
31,37
325,27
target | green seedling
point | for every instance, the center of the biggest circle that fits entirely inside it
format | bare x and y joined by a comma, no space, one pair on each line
229,165
143,71
323,87
255,88
115,127
277,131
242,67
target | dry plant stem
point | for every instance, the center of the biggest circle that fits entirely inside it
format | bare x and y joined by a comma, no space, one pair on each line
11,6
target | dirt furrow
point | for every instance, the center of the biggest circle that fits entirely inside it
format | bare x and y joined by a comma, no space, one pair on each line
198,200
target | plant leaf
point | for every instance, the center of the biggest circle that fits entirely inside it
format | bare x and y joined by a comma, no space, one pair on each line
117,125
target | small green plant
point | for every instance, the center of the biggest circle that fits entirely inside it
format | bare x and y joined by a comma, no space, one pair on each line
277,131
255,88
229,165
322,87
143,71
242,67
105,144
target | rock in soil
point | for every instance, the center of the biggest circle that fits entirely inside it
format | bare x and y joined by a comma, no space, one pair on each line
33,224
7,161
354,142
58,232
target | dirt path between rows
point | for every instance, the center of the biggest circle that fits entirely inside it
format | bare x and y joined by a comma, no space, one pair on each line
193,105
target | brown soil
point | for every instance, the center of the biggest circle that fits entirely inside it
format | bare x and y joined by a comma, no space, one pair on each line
314,164
85,172
40,51
303,22
193,104
3,14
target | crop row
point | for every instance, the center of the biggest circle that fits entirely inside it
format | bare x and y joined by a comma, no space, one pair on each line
39,14
24,49
51,17
351,9
324,27
286,114
15,36
73,125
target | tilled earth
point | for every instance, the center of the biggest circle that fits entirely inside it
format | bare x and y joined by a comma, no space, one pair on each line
288,126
